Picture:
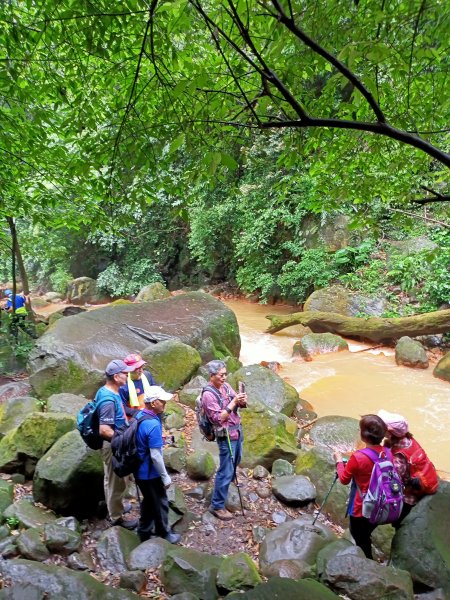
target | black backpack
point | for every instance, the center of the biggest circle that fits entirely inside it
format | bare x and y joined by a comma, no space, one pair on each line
125,459
207,429
88,424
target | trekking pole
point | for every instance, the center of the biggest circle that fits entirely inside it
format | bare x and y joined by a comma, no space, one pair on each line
326,498
235,474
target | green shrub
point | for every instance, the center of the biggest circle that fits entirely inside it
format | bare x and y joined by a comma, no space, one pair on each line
117,281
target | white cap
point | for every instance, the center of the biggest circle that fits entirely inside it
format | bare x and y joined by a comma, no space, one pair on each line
156,392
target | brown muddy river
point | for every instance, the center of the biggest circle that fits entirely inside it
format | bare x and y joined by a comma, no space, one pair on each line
352,383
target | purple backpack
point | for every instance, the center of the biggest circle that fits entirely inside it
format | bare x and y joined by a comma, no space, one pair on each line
383,501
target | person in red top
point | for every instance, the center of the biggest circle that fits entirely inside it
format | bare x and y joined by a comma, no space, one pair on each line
358,470
414,467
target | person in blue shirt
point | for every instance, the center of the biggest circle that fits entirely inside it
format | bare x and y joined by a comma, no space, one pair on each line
111,417
137,385
152,477
16,308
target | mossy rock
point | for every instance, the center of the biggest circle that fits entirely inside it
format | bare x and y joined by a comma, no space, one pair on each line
442,369
237,572
278,588
191,390
63,475
173,415
29,515
153,291
172,363
313,344
410,353
263,385
337,299
6,496
268,435
200,465
22,447
14,411
70,404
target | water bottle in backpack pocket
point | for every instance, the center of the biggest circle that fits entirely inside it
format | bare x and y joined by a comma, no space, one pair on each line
383,501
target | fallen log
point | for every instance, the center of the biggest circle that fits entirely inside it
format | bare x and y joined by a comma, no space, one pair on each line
375,329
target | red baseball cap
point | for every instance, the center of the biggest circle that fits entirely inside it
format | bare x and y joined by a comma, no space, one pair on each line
135,361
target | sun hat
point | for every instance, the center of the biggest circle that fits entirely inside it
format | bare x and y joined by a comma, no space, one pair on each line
156,392
135,361
117,366
396,424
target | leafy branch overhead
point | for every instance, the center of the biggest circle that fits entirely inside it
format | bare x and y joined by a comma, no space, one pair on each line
98,102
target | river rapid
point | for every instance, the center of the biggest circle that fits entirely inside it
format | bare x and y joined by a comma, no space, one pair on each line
353,383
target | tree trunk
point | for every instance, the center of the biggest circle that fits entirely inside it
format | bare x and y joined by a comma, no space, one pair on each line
17,256
375,329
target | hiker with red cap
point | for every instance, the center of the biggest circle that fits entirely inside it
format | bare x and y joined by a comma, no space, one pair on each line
413,465
137,386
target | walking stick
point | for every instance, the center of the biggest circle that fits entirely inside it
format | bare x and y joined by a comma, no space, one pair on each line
325,499
235,474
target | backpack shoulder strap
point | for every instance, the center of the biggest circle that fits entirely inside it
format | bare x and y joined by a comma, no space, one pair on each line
214,391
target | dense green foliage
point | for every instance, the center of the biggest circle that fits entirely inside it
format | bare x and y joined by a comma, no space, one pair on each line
196,141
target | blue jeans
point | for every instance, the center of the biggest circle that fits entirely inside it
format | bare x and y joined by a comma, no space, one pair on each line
226,471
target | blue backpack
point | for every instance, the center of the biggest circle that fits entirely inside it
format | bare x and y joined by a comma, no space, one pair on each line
88,423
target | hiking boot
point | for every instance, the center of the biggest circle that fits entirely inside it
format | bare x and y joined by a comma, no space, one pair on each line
221,513
172,537
127,524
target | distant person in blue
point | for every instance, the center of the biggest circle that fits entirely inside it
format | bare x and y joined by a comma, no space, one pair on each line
112,417
137,385
152,477
16,307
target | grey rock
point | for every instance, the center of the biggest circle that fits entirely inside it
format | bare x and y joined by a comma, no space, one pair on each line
132,580
66,360
200,465
410,353
153,291
337,299
30,545
175,459
426,527
148,555
260,472
113,547
282,467
279,517
294,489
58,582
318,343
287,589
296,540
187,570
237,572
357,578
189,393
28,514
64,474
66,403
60,539
80,561
14,410
263,385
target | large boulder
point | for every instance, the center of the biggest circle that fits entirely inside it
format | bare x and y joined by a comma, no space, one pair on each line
318,465
442,369
263,385
296,541
22,447
187,570
72,355
268,435
148,555
422,543
53,582
6,496
83,290
410,353
318,343
14,411
337,299
356,577
28,515
335,431
190,392
153,291
172,363
63,475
